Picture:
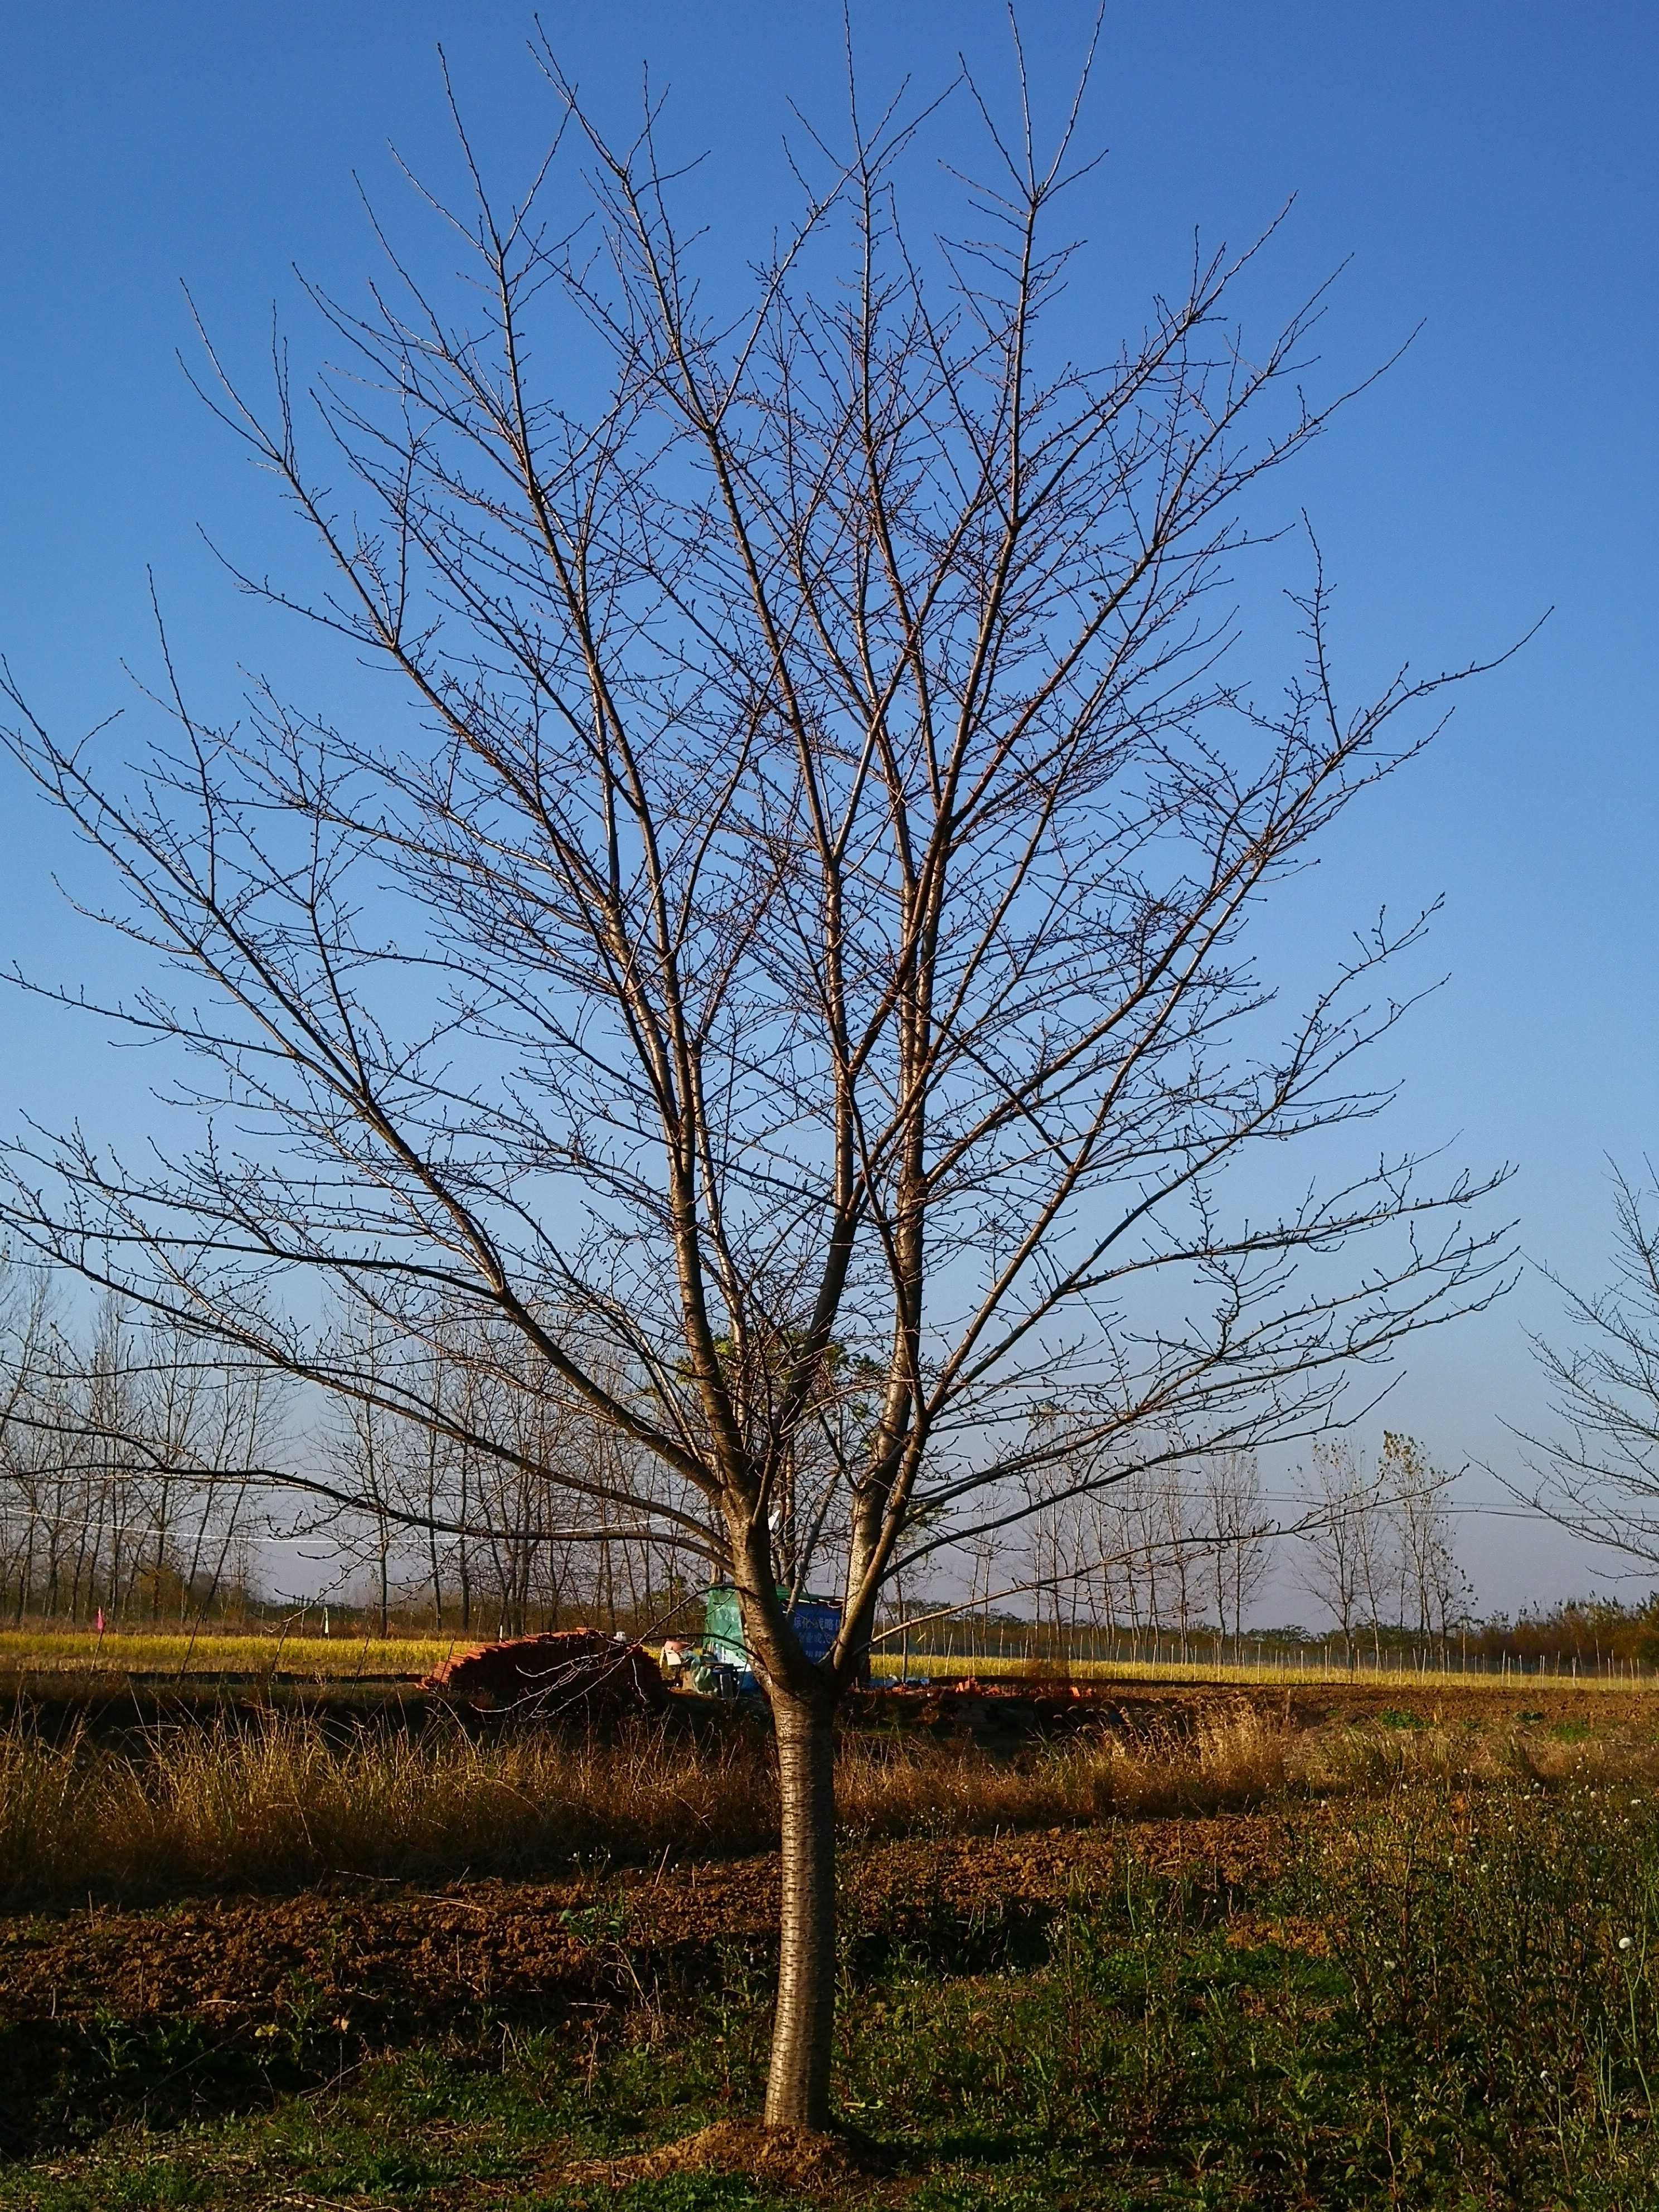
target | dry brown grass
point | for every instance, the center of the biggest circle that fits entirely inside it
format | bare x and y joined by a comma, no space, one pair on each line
1230,1758
274,1801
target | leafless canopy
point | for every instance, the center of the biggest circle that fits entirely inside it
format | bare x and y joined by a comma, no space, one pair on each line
786,967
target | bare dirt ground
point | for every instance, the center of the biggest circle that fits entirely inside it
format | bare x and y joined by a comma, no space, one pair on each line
227,2000
413,1959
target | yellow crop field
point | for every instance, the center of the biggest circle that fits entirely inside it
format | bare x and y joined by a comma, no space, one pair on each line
1273,1673
303,1657
312,1657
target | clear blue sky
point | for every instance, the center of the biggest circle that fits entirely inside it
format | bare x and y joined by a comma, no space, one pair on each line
1491,169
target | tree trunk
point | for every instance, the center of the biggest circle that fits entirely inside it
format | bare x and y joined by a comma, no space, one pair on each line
798,2086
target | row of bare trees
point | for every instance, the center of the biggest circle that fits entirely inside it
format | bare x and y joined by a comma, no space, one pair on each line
138,1482
1178,1549
133,1483
1379,1546
145,1478
466,1516
1178,1553
125,1464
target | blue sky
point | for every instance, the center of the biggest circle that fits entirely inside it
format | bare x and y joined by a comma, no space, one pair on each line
1489,168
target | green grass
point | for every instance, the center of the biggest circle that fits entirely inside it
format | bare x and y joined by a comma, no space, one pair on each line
1450,2002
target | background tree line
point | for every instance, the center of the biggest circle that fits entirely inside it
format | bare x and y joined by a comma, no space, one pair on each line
133,1483
125,1459
138,1482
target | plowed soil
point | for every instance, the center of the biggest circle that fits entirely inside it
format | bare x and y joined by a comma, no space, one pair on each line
409,1960
172,2012
414,1960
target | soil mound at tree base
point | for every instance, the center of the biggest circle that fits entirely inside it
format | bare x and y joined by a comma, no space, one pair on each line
787,2158
572,1669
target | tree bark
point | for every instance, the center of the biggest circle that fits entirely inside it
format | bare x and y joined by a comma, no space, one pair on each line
798,2086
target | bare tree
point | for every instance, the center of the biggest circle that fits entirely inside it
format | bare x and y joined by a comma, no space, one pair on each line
24,1321
1378,1556
1175,1540
790,969
1238,1537
1598,1474
1338,1498
1127,1556
1449,1592
365,1449
1433,1586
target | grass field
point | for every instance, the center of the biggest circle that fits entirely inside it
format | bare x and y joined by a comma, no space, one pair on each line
1232,1940
1214,1946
